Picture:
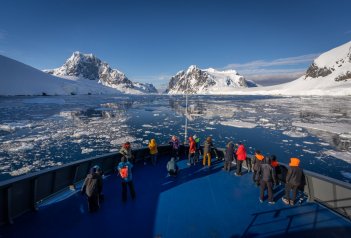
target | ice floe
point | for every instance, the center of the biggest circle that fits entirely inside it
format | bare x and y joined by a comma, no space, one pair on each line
86,150
337,128
239,124
343,155
297,134
22,170
123,139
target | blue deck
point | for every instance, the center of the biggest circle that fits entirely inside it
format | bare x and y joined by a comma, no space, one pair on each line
200,202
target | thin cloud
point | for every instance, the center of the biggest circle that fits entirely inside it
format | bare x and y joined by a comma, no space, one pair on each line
303,59
270,72
275,77
348,32
152,78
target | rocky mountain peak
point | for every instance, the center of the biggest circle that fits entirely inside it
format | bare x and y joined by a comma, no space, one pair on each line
88,66
202,81
335,64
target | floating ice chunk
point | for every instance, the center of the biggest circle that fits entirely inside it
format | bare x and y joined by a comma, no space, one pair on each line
147,126
10,127
308,143
22,170
309,151
124,139
80,134
22,147
345,156
5,167
286,141
86,150
345,136
6,127
249,109
156,114
337,128
324,143
295,134
66,114
239,124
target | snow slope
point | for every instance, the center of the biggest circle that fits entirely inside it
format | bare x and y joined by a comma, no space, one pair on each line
329,74
17,78
206,81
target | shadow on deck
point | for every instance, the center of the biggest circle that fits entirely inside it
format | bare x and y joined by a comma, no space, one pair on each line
200,202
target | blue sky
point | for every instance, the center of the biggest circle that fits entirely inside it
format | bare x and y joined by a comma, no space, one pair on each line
268,41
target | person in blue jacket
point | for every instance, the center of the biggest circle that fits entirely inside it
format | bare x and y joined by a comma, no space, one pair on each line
125,171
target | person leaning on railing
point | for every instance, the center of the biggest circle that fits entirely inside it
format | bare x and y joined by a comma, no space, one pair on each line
208,148
153,151
126,151
293,181
241,156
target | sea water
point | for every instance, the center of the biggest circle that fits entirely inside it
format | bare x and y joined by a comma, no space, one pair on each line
41,132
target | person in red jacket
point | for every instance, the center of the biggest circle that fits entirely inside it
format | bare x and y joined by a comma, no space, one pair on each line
192,150
240,156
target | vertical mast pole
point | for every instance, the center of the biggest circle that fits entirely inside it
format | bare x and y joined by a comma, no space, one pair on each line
186,113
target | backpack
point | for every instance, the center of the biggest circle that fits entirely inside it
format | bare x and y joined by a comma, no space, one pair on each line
124,172
91,187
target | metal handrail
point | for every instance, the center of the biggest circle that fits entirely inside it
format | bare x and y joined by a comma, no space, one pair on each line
22,194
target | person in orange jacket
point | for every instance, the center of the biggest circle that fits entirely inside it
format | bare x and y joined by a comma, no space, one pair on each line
192,150
293,181
257,161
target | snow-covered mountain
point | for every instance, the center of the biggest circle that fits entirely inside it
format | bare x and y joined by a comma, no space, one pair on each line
329,74
88,66
334,65
207,81
17,78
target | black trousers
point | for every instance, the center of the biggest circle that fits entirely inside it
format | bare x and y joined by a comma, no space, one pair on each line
93,203
175,153
248,163
263,186
254,177
227,165
124,190
239,165
173,172
288,188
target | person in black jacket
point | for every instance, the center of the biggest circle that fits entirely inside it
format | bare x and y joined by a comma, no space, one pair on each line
229,156
293,181
266,176
257,161
208,148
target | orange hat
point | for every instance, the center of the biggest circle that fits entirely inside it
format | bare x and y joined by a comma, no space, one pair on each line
259,156
294,162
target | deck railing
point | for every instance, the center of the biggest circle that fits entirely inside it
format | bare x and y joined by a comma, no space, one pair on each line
24,193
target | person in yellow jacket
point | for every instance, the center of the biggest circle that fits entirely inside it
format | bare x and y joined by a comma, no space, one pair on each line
153,151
